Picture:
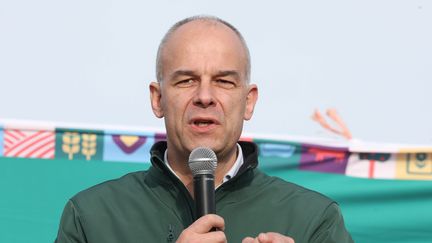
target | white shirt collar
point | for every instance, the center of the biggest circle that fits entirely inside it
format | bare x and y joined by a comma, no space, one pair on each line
230,174
236,166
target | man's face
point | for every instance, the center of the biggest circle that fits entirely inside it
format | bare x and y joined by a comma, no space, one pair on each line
204,96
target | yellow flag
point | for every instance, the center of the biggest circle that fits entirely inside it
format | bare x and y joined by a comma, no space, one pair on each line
414,165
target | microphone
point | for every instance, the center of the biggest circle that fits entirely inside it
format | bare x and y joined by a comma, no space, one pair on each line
202,163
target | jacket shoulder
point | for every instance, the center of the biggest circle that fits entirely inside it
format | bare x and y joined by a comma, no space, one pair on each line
279,189
310,210
111,189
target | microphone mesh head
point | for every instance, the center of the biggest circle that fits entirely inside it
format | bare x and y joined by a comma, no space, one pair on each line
202,161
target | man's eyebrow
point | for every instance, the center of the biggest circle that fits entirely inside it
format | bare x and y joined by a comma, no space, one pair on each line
222,73
182,72
228,73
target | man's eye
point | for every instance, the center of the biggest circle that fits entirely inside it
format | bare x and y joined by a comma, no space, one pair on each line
225,83
185,83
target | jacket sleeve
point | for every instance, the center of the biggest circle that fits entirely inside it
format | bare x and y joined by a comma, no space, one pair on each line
70,229
332,228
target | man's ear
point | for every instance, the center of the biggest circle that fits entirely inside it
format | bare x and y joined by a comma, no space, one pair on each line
155,99
251,99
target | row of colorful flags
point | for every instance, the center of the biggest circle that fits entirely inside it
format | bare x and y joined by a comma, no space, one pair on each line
379,161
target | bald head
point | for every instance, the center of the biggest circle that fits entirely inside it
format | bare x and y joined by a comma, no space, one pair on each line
198,24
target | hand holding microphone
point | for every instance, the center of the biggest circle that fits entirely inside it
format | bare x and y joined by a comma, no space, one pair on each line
203,162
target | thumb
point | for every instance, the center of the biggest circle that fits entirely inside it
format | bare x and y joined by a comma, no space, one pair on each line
264,238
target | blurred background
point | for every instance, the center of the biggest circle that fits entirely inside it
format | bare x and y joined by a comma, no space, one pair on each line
92,61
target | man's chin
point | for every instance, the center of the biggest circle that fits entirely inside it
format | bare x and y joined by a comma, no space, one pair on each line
209,143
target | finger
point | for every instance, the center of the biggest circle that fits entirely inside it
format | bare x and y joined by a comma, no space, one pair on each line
214,236
206,223
248,240
273,237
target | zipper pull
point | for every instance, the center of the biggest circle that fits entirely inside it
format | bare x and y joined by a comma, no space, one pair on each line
170,236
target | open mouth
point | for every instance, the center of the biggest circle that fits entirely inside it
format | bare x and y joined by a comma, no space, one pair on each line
203,123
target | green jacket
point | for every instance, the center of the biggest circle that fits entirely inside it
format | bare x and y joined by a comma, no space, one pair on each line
154,206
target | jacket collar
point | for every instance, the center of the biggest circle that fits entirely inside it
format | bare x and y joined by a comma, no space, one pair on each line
249,149
160,173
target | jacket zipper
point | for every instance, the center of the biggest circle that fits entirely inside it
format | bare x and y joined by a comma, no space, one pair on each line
176,183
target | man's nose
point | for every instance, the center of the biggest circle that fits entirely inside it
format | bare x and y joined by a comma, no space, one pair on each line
204,96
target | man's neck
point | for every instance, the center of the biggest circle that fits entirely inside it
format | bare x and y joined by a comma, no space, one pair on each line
179,164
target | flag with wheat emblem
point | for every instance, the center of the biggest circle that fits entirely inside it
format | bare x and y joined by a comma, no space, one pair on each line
74,144
28,143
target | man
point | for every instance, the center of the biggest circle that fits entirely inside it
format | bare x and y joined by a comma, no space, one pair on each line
204,95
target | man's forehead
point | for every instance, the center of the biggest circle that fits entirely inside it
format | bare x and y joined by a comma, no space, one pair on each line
203,36
211,39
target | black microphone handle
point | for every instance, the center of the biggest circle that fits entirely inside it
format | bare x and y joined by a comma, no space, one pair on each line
204,191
